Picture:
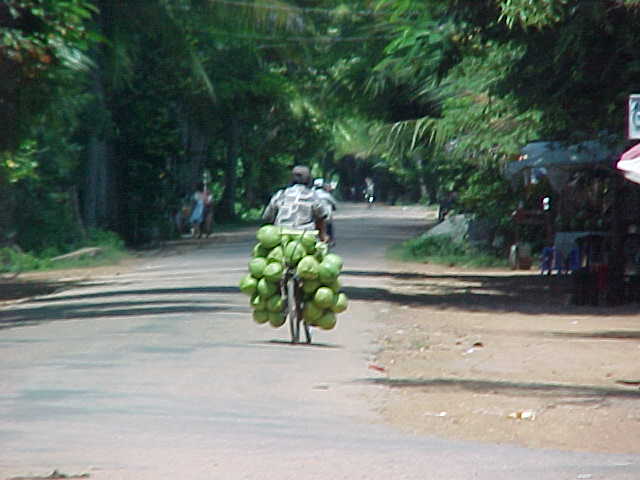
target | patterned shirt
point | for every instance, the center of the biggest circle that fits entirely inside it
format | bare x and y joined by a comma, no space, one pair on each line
296,207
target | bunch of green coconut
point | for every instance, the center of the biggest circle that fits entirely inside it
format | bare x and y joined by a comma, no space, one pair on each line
279,249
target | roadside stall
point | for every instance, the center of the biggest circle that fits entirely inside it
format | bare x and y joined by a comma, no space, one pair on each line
590,217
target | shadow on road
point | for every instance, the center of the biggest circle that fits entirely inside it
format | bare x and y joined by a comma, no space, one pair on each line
63,309
517,389
140,292
532,294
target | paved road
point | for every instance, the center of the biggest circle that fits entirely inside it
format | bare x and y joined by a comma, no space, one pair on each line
160,373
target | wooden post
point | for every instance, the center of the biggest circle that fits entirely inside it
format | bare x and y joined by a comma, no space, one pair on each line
615,284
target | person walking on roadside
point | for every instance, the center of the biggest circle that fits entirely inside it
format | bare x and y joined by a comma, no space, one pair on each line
201,212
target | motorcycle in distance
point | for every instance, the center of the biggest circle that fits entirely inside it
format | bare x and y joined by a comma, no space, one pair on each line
368,192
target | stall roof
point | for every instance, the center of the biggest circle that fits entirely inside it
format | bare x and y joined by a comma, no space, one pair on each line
556,159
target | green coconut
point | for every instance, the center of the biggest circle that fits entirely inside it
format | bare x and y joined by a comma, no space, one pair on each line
321,250
340,304
327,272
335,260
276,255
311,313
327,321
269,236
294,252
258,303
275,304
248,285
273,272
324,297
308,268
260,316
266,288
257,266
310,286
259,251
276,319
308,241
336,285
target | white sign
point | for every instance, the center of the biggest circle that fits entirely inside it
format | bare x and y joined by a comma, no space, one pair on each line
634,117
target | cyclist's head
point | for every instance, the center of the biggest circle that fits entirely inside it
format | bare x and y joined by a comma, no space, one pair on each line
301,175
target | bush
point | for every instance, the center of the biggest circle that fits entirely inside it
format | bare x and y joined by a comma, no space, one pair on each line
13,261
445,250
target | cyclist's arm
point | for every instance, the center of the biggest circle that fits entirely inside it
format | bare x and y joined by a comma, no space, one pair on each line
321,226
321,211
271,211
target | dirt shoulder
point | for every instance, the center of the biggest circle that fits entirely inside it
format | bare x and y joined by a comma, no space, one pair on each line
497,356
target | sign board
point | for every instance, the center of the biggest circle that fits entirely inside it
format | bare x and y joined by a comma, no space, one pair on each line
634,117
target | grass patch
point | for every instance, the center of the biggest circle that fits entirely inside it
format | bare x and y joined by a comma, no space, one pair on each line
442,249
111,251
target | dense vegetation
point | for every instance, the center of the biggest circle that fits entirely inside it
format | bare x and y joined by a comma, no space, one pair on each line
112,111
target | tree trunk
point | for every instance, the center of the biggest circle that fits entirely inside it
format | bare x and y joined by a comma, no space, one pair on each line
419,163
227,206
100,200
74,204
6,210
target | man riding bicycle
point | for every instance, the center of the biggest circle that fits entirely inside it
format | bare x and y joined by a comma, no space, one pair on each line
298,206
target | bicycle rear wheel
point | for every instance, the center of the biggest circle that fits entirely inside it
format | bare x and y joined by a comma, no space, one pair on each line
294,311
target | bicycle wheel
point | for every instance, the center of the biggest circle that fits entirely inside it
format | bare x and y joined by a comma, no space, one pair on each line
293,310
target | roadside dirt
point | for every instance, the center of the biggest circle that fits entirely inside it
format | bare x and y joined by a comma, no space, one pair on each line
492,355
499,356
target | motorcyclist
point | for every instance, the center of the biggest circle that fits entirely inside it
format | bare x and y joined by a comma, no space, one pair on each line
299,206
369,191
323,189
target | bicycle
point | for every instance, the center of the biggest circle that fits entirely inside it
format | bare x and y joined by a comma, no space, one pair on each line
292,293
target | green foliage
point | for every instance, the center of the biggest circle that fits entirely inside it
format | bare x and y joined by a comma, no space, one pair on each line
442,249
16,261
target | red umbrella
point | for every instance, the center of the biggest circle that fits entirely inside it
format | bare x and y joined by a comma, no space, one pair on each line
629,163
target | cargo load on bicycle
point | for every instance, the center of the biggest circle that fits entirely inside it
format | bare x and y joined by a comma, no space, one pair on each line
293,276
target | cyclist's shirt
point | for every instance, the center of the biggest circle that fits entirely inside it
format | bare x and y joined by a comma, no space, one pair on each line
296,207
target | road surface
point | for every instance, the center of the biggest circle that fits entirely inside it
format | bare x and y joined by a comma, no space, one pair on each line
160,373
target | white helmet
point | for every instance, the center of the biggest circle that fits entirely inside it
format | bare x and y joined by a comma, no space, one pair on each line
318,182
